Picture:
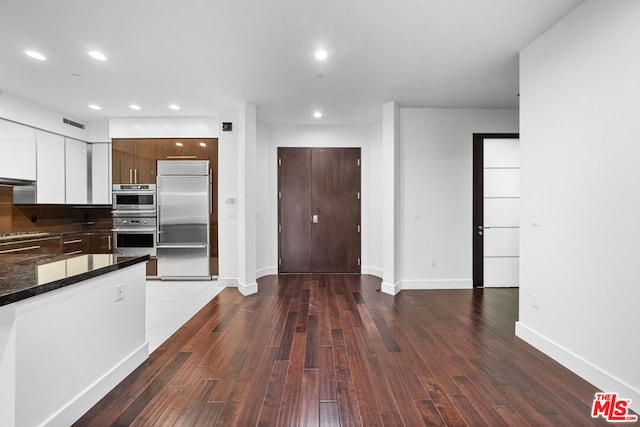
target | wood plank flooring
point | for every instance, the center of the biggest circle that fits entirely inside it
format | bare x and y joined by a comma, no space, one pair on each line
329,350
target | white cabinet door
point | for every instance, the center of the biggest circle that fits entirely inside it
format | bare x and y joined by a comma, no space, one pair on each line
18,148
76,168
51,182
100,174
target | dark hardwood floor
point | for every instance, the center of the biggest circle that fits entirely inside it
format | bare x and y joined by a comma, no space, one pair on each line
330,350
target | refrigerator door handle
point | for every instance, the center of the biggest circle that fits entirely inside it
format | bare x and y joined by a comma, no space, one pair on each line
181,246
158,221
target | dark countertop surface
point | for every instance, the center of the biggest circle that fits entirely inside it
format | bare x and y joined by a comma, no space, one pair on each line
24,276
35,235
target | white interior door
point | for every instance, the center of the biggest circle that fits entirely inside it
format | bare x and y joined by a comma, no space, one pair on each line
501,212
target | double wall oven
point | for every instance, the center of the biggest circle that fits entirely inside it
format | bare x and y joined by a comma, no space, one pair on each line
134,219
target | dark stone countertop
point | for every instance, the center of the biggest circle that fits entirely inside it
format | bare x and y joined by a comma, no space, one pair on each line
24,276
33,235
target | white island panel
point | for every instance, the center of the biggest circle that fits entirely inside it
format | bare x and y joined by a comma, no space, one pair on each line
62,351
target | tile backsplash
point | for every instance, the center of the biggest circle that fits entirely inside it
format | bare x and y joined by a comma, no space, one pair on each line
49,218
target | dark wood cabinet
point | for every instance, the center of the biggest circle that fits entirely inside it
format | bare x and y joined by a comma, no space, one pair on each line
184,149
40,246
101,243
134,161
213,220
152,267
73,245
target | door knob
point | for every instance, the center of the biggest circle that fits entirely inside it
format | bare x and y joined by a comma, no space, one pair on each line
314,219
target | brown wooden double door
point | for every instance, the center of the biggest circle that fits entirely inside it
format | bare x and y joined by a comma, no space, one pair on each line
319,210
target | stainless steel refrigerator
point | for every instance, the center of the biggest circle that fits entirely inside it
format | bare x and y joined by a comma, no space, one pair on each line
184,205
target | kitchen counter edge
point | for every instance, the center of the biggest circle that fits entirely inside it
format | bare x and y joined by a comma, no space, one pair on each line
120,262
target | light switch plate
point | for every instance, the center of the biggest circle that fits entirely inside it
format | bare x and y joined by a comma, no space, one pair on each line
535,219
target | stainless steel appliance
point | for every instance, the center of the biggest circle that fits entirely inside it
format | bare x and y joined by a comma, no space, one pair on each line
134,236
184,205
134,197
134,219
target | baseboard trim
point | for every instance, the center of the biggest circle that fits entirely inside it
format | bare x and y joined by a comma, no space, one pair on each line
437,284
391,289
267,271
80,404
248,289
374,271
230,282
579,365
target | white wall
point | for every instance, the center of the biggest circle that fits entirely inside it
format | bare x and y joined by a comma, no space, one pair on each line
99,131
22,111
372,203
228,237
247,198
265,221
273,136
390,193
164,127
580,151
436,192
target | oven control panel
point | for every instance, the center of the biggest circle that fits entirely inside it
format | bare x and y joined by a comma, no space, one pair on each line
136,222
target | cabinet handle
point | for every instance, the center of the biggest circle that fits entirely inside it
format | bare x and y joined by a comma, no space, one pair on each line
68,242
72,253
109,241
28,248
135,175
130,176
182,157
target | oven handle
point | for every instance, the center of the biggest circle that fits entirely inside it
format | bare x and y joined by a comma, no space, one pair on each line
129,192
132,212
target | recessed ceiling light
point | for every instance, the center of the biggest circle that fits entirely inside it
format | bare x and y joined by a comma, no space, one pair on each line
98,56
135,107
174,107
179,144
321,54
317,114
203,144
35,55
95,107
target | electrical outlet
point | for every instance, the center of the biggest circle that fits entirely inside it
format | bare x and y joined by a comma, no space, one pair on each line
535,301
119,292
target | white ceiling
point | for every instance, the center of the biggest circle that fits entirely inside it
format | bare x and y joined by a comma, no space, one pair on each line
210,55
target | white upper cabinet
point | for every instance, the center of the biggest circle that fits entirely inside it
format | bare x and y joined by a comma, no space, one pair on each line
100,174
51,170
18,148
76,168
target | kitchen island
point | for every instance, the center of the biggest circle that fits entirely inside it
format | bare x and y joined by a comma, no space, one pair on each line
71,328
